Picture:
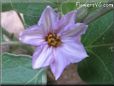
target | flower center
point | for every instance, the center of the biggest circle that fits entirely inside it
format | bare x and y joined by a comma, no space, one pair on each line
53,40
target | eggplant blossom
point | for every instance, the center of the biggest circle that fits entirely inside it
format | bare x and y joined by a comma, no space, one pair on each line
57,40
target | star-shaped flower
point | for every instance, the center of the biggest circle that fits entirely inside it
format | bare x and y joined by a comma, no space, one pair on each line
58,41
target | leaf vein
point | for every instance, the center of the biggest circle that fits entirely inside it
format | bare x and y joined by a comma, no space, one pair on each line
101,34
106,69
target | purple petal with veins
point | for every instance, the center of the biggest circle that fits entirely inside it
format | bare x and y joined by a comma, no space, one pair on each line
57,40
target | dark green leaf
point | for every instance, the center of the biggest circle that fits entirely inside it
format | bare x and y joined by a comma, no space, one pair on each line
99,42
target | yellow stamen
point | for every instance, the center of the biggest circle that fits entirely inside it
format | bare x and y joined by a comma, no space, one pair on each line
53,40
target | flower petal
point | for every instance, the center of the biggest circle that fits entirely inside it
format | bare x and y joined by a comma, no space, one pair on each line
48,18
42,57
74,51
67,19
69,52
59,63
74,30
33,36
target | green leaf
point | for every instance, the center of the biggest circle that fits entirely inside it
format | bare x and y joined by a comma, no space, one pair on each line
17,69
98,67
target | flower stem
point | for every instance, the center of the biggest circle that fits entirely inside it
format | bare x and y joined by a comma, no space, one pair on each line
69,76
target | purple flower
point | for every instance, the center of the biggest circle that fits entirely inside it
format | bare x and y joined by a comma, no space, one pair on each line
57,40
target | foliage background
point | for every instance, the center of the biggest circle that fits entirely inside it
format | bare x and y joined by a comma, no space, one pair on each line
98,68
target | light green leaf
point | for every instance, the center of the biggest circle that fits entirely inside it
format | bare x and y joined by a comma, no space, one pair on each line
17,69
